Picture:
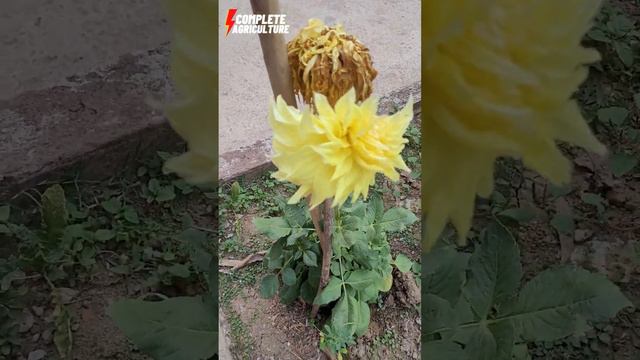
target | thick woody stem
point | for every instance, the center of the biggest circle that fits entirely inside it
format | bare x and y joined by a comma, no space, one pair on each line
327,251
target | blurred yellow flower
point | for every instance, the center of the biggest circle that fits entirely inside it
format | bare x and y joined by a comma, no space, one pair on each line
498,78
337,151
195,74
329,61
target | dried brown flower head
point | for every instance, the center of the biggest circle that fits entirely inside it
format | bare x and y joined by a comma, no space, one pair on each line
329,61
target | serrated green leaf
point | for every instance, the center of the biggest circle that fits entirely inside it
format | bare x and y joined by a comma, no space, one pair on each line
437,315
403,263
330,293
288,276
174,329
481,345
622,163
505,337
296,215
274,228
615,115
269,286
444,273
397,219
495,271
578,296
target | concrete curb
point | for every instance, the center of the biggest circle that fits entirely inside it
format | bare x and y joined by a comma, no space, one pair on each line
94,126
252,160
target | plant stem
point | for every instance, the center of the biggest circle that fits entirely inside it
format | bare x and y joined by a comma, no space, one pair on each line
325,247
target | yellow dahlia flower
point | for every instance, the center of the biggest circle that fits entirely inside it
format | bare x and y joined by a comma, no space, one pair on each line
194,73
337,151
498,78
328,61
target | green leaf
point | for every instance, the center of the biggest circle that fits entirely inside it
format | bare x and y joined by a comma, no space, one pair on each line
54,210
615,115
310,258
636,100
444,273
625,53
443,350
505,337
154,186
5,211
520,215
481,345
274,228
622,163
288,294
438,315
288,276
235,191
403,263
397,219
563,223
557,302
598,35
166,193
340,314
296,215
363,318
360,279
495,271
275,255
269,286
104,235
131,215
174,329
112,205
330,293
521,352
620,25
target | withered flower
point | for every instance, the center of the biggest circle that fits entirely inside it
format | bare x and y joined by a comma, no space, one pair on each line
329,61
